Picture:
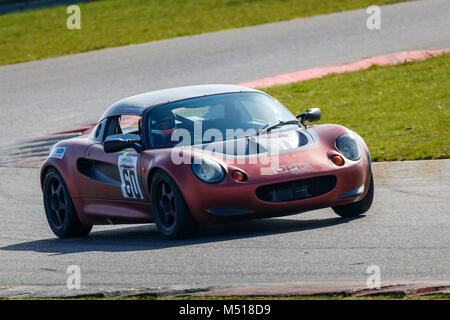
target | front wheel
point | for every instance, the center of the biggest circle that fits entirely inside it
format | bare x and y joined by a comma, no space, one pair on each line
170,211
357,208
61,215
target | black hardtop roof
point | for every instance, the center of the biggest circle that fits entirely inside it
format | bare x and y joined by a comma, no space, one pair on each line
136,105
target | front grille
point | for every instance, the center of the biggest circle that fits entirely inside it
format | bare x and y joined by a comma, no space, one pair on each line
296,190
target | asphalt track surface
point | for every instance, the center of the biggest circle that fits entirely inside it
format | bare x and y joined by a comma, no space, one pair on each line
406,232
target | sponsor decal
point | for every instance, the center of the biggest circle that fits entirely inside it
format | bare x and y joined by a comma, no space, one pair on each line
57,153
295,168
129,177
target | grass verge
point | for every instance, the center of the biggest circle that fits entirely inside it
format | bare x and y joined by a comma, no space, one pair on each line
402,112
42,33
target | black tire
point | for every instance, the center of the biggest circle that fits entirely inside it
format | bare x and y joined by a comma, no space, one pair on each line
357,208
61,214
170,212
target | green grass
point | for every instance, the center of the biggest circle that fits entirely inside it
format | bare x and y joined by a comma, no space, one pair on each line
42,33
402,112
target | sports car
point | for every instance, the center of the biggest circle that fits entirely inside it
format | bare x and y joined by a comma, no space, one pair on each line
200,155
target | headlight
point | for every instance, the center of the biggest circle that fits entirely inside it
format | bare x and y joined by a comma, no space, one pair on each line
208,170
349,146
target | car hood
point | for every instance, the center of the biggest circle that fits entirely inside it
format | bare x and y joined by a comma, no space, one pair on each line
272,156
262,145
303,152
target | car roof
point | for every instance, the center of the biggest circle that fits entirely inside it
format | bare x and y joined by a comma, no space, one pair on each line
136,105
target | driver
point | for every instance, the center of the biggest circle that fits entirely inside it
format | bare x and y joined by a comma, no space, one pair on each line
163,125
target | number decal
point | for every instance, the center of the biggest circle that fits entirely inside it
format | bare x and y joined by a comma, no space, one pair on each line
129,177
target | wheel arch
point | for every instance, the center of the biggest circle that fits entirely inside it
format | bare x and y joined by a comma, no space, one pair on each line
44,171
152,173
177,179
150,176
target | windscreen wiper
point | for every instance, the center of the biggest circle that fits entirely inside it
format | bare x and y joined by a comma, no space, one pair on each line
275,124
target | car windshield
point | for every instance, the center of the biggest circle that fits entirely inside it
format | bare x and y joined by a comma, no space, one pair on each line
216,118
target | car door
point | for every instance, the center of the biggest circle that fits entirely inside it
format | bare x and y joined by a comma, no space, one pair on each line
115,176
115,188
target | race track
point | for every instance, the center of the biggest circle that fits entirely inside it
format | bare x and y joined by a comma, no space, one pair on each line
406,232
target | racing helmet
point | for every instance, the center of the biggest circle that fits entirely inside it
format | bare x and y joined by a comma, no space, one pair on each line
162,123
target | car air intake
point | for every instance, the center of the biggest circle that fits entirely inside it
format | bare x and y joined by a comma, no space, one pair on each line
296,190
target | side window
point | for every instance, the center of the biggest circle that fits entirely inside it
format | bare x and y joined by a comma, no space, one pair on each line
113,127
97,132
123,127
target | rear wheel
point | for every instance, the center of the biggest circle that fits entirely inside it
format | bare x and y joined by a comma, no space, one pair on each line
357,208
171,214
61,215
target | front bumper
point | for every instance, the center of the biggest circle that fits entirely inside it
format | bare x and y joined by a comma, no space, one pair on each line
210,204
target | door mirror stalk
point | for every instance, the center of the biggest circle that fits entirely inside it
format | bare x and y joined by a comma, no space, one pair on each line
118,144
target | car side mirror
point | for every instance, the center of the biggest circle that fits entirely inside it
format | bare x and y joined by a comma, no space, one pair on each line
311,115
118,144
